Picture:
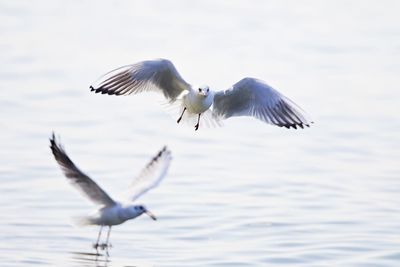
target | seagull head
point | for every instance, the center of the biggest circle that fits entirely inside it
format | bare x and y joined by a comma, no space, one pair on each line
140,209
203,90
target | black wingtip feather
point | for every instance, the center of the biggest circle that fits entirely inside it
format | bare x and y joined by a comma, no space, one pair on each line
53,145
156,157
52,138
294,126
58,151
103,91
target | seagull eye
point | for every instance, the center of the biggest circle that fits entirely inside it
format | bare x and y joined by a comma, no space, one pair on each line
199,89
208,89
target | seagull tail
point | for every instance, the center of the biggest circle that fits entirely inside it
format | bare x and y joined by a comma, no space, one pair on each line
82,221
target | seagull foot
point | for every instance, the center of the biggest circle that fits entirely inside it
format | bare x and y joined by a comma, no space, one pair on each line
104,246
183,112
196,127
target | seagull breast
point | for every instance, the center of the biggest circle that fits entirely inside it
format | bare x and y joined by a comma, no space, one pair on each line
196,103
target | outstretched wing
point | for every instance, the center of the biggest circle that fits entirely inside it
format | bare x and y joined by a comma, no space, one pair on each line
151,175
252,97
77,178
156,75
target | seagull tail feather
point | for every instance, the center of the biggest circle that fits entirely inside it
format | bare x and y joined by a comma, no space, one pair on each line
83,220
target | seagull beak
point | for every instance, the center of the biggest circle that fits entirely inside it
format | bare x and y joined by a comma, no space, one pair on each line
203,94
151,215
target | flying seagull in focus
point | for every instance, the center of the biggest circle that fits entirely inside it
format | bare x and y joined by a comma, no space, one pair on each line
248,97
110,211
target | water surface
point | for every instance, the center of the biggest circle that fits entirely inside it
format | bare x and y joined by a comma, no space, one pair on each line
246,194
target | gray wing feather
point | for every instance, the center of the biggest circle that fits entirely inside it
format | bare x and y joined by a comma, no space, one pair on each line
156,75
151,175
77,178
252,97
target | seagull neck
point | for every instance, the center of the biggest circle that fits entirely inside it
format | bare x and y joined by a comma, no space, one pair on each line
128,213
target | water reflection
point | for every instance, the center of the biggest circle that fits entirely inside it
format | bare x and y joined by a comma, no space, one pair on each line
100,257
97,259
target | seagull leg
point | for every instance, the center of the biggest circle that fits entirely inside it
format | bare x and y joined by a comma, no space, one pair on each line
196,127
96,245
108,235
180,118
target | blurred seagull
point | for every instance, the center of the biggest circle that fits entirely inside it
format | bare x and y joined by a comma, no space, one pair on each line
248,97
112,212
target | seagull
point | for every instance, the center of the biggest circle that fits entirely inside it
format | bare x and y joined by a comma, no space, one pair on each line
110,211
248,97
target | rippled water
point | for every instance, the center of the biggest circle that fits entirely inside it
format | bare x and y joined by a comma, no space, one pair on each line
246,194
